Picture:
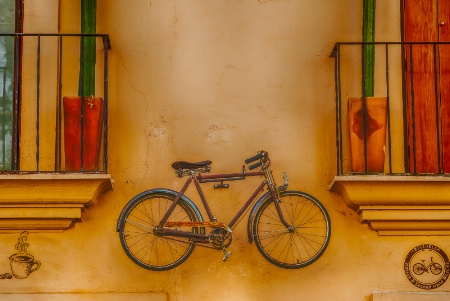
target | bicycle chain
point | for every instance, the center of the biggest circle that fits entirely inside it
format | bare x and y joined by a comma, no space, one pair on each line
200,244
173,239
144,226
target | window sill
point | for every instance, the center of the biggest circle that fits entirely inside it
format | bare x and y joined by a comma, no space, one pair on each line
47,202
398,205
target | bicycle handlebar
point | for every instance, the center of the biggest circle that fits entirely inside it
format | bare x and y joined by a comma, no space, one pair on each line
254,158
255,165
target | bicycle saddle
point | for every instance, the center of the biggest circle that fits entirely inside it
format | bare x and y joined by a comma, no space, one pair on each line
183,165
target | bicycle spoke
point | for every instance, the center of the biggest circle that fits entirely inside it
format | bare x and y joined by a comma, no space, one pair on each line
307,243
293,216
139,245
273,233
273,215
143,216
276,240
176,248
288,245
146,213
176,216
288,250
310,220
299,253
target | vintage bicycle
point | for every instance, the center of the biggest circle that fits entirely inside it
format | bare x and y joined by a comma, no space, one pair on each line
434,267
160,228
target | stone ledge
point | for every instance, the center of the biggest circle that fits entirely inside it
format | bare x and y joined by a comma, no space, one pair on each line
398,205
150,296
411,296
47,202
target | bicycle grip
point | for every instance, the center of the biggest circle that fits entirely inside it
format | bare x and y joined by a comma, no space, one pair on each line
255,165
254,158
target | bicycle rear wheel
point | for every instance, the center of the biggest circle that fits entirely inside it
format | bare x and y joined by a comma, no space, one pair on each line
300,246
137,231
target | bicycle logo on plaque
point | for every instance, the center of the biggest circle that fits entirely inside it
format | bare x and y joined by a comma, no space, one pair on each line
427,266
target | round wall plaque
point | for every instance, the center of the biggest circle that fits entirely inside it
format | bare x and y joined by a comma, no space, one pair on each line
427,266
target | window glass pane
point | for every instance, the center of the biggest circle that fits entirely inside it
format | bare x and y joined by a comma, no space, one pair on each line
7,19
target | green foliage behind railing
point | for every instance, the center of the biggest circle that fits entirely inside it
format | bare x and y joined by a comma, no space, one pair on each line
368,35
86,85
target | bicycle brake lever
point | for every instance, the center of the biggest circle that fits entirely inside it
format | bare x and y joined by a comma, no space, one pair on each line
286,179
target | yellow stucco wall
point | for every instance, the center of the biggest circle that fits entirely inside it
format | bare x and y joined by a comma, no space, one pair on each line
220,80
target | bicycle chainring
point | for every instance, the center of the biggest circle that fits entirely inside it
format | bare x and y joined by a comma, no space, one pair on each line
220,238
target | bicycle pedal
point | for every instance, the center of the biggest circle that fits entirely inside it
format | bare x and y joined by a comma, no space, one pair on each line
226,256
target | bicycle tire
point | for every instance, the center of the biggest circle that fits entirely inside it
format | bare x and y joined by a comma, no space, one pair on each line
436,268
303,245
419,268
136,231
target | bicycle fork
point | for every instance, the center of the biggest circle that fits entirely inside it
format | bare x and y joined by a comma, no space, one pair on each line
276,196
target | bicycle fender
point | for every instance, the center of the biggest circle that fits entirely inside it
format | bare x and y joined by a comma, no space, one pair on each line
121,221
252,215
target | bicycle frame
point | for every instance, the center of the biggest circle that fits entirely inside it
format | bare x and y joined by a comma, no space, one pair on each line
159,228
163,227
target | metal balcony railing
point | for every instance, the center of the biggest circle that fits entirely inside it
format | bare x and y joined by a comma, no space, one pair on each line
37,72
413,78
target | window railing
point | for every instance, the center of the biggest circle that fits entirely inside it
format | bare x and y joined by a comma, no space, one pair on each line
412,80
47,123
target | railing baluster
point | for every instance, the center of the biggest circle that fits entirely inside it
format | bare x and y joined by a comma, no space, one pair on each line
413,116
82,87
15,107
38,96
58,146
364,104
106,46
336,53
436,95
3,126
388,110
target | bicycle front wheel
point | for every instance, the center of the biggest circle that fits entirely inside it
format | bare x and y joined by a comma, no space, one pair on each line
137,231
436,268
304,242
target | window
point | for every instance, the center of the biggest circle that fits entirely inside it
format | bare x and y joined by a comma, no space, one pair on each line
9,22
37,190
